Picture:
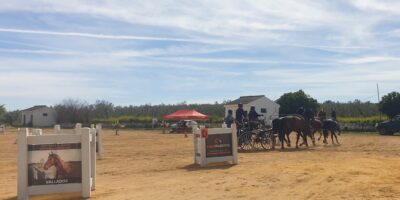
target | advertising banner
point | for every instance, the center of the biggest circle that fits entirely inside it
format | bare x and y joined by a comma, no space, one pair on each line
218,145
50,164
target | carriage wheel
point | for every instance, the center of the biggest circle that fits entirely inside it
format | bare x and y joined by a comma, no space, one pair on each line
256,141
245,142
267,141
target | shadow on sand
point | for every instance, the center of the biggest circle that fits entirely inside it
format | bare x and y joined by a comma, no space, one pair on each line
211,166
255,151
60,196
296,149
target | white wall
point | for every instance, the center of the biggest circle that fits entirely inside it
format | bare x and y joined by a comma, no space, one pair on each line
39,120
272,108
264,102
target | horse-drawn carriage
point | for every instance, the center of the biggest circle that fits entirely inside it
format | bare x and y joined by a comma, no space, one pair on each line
256,136
259,136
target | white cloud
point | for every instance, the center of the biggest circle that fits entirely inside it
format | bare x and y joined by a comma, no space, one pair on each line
42,85
103,36
248,20
324,46
370,59
385,6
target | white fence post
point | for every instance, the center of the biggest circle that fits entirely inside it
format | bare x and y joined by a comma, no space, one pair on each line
2,129
235,144
194,130
22,164
57,129
202,144
78,125
99,140
86,174
37,132
93,158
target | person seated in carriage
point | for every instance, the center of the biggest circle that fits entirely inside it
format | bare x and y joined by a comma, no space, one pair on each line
246,119
253,118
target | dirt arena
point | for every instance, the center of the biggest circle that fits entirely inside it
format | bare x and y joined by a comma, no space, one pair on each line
149,165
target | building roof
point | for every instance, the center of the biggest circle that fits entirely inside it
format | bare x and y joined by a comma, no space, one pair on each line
245,99
35,107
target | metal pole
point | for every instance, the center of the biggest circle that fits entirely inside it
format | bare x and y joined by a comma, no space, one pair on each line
379,99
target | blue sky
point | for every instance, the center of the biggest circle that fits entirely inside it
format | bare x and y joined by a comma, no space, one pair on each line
137,52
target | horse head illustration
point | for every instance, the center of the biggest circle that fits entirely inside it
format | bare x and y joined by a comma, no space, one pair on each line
62,168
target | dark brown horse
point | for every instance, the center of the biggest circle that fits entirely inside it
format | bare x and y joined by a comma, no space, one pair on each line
63,169
296,124
277,128
316,126
330,126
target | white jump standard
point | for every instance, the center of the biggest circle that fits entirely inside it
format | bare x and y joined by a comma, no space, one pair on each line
56,163
214,145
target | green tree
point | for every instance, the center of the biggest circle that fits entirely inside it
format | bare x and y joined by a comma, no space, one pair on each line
73,111
390,104
2,112
103,109
292,101
12,117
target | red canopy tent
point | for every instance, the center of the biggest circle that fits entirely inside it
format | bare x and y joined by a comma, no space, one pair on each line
186,114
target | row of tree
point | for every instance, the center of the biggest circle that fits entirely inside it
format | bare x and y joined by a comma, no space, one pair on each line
75,110
292,101
389,105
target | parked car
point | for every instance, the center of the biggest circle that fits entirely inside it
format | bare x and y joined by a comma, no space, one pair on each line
183,126
389,127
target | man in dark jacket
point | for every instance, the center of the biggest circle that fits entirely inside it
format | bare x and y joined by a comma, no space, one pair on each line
333,115
308,114
239,117
322,115
253,117
300,111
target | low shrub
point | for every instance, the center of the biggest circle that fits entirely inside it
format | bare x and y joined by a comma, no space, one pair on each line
366,120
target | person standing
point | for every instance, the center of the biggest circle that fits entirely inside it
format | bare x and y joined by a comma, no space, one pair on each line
117,125
308,114
322,115
240,115
333,114
229,119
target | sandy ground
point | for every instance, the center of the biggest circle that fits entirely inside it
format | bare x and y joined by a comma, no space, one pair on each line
150,165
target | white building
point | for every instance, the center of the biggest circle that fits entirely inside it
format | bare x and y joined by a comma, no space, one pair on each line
39,116
264,106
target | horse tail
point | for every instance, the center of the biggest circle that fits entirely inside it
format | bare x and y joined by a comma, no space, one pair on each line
338,128
280,128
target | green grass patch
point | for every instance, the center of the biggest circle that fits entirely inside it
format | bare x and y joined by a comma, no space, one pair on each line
124,119
366,120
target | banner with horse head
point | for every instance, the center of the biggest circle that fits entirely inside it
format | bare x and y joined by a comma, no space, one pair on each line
50,164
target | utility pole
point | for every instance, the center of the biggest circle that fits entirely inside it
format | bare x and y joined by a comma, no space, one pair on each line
377,89
379,99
